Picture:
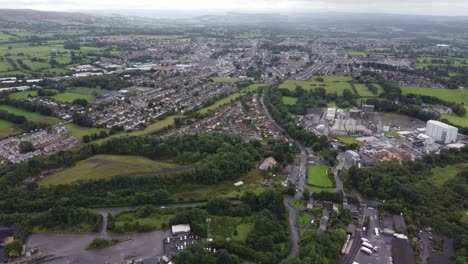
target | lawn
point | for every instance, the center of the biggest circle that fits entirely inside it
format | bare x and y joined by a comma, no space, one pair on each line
299,204
318,176
348,140
332,84
440,175
363,91
456,120
225,80
30,116
24,94
105,167
70,97
288,100
303,220
356,53
79,131
5,124
242,231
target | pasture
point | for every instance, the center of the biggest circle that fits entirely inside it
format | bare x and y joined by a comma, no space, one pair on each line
105,167
6,128
455,95
332,84
288,100
318,176
30,116
68,97
356,53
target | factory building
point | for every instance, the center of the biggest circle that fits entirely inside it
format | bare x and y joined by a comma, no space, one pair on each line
441,132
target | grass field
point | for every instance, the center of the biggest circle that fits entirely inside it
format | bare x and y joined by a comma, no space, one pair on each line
156,126
357,53
457,95
219,103
188,192
5,124
70,97
303,220
79,131
441,175
456,120
288,100
105,167
225,80
7,128
332,84
24,94
30,116
158,220
299,204
318,176
242,231
348,139
363,91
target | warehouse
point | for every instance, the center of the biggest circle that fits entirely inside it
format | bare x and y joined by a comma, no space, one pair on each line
441,132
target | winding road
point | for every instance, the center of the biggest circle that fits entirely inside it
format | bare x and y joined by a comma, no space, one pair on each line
297,177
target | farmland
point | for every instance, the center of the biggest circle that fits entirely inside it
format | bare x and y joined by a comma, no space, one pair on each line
24,94
318,176
30,116
105,167
288,100
332,84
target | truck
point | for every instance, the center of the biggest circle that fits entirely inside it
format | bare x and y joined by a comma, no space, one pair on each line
366,250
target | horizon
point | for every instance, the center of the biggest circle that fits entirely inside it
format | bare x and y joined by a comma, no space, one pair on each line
450,8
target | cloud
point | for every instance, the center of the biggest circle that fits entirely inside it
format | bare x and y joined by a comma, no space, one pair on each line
420,7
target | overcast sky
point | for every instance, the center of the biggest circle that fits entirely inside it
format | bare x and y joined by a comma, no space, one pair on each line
419,7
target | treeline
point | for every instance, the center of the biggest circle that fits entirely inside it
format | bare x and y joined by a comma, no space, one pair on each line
107,82
17,119
407,188
32,107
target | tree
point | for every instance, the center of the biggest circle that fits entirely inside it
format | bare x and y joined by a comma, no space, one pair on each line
80,102
26,146
13,249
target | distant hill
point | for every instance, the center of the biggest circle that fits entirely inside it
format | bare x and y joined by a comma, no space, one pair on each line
29,14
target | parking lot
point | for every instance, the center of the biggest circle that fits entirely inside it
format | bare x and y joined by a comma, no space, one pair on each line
382,242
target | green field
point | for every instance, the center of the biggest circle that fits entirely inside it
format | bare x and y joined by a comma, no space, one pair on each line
189,192
299,205
157,220
242,231
332,84
156,126
303,220
348,139
318,176
105,167
440,175
356,53
24,94
363,91
221,102
7,128
79,131
30,116
225,80
456,95
288,100
5,124
70,97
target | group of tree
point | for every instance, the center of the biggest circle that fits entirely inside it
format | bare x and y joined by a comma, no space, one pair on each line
17,119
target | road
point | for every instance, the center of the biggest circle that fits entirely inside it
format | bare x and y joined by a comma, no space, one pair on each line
297,177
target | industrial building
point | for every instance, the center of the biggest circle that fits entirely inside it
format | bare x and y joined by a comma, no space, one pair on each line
441,132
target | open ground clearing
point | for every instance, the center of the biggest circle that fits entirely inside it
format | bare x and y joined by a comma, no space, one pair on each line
107,166
79,131
348,139
440,175
30,116
24,94
363,91
7,128
225,80
304,219
288,100
318,176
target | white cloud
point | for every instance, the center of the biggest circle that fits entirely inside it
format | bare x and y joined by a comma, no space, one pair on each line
421,7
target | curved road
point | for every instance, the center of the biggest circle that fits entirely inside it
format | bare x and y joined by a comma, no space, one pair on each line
296,177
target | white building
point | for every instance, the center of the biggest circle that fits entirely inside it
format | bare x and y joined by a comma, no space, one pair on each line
441,132
180,229
331,114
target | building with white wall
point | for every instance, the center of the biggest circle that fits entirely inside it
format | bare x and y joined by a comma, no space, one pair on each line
441,132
